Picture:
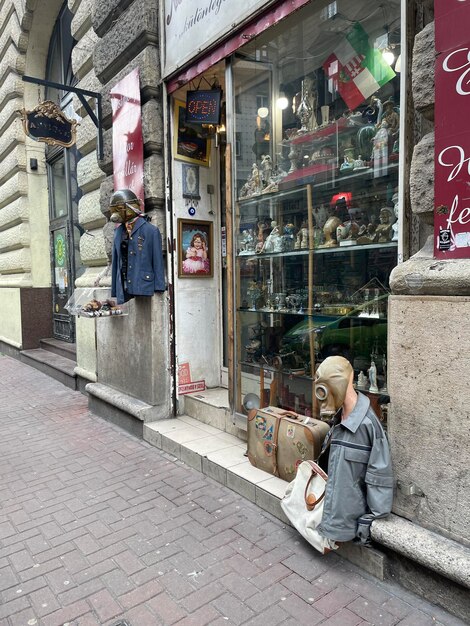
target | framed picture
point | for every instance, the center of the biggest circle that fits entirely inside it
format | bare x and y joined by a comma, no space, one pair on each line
190,181
189,144
195,249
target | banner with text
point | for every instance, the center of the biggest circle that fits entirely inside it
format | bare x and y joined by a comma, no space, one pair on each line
128,145
192,26
452,130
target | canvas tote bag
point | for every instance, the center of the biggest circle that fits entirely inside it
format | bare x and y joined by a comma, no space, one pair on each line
303,504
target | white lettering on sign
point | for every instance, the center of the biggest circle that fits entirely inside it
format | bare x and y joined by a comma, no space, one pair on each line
455,164
464,79
463,216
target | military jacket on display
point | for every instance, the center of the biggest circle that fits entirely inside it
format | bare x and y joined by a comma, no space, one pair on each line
360,480
145,272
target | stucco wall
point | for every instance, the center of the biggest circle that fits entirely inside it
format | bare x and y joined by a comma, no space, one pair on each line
10,316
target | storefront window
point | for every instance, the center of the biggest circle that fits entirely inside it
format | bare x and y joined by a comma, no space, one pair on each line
317,122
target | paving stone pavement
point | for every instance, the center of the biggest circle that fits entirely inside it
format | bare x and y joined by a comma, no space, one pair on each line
98,527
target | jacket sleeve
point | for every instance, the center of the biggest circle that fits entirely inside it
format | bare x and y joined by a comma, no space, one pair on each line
157,261
114,269
379,485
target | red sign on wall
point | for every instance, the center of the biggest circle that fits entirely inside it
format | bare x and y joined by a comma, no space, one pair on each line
128,145
452,130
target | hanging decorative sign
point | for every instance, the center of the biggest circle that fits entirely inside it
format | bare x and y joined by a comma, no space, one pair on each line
128,144
203,107
452,130
48,123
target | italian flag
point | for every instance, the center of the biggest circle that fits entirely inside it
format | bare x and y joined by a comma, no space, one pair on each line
356,69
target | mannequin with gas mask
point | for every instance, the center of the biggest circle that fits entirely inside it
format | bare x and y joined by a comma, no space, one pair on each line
355,454
137,262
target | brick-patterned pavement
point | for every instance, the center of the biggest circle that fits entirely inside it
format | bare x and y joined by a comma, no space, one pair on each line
98,527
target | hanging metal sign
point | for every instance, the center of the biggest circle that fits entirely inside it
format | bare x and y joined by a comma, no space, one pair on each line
47,122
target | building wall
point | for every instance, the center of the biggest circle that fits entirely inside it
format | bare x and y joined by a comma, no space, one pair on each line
113,37
133,353
24,234
428,347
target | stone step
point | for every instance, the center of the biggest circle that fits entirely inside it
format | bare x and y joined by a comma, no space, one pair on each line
209,407
62,348
54,365
221,456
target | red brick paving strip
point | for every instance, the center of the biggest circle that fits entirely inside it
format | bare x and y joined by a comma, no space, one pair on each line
97,526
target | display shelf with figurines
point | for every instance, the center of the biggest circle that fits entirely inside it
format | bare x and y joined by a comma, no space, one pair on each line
301,295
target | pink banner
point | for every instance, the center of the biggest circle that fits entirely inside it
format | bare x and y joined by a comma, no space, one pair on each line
452,130
128,145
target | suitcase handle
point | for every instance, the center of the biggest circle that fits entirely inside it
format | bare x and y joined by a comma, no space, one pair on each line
296,416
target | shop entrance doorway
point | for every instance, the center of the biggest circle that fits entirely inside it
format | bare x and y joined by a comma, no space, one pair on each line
62,183
199,196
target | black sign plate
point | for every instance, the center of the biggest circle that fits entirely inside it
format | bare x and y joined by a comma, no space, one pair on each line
48,123
203,107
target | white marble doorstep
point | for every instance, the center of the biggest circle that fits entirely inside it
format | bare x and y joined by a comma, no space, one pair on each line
221,448
218,396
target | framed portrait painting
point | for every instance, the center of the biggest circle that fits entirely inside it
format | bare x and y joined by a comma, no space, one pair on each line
195,249
189,144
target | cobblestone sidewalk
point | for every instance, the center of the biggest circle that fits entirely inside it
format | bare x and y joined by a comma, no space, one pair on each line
97,527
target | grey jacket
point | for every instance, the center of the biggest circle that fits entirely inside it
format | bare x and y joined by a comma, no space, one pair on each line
360,481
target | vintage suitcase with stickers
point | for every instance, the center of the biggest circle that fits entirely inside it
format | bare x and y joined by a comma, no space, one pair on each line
278,440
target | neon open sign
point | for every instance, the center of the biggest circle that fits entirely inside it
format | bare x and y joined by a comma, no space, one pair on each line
203,107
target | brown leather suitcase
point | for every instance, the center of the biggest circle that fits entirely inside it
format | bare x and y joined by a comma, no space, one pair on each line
278,440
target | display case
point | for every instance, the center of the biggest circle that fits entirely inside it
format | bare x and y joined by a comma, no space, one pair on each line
316,201
312,281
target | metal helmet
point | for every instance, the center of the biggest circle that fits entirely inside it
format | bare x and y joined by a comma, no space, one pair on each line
124,205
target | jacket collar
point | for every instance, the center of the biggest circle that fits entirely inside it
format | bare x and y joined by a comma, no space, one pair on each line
137,224
354,419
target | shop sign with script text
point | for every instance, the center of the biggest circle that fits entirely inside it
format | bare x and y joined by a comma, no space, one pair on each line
192,26
452,130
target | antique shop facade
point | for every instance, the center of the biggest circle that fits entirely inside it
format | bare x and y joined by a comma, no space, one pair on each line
289,219
294,184
309,200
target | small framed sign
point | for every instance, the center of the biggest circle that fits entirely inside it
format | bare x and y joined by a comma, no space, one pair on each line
203,107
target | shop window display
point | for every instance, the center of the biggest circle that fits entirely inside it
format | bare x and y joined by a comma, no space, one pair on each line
317,123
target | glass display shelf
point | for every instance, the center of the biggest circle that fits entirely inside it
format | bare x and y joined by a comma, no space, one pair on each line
335,250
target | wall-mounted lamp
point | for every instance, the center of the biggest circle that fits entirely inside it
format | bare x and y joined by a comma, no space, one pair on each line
263,112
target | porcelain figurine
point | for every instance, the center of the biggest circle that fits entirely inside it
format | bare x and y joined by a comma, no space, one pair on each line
384,231
396,210
362,380
288,237
373,377
329,232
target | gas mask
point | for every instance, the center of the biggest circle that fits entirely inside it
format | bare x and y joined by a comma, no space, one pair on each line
331,382
124,206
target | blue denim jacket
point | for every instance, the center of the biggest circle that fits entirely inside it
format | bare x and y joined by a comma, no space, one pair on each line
145,269
359,488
